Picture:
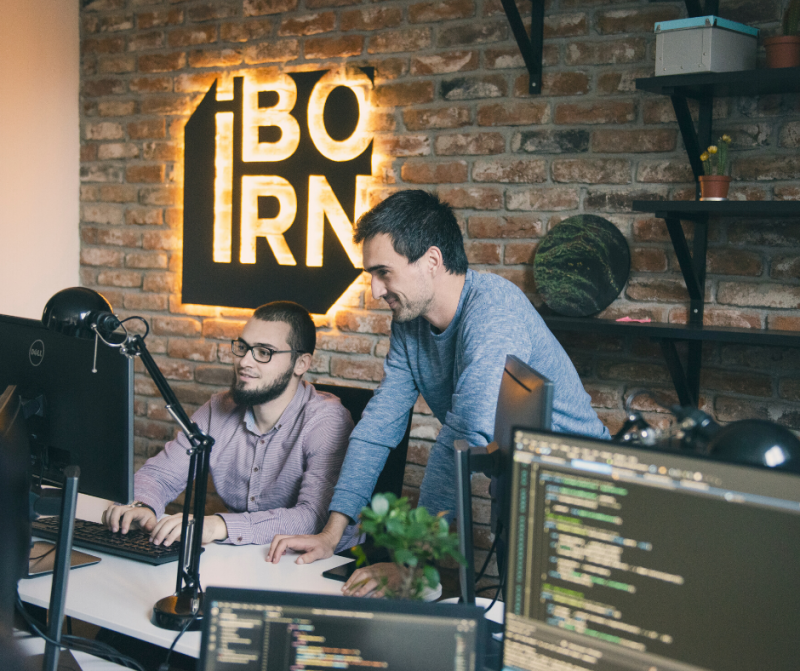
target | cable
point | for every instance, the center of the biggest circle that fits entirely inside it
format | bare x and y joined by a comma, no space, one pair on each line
96,648
499,589
488,557
165,664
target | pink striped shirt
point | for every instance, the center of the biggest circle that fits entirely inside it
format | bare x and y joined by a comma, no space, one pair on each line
279,482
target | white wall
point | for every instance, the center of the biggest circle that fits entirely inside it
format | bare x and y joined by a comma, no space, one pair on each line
39,153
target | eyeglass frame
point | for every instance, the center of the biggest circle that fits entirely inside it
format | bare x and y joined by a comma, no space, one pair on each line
252,349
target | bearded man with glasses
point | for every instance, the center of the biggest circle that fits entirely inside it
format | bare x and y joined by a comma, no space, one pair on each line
279,444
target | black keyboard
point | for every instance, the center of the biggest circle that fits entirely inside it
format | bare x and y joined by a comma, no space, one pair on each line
134,545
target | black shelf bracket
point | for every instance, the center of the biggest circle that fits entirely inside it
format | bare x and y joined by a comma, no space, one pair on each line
530,47
693,264
686,381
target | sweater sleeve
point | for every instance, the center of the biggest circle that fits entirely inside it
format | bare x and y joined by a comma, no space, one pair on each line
381,428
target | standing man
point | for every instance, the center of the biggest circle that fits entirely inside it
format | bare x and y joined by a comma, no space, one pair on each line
451,331
279,444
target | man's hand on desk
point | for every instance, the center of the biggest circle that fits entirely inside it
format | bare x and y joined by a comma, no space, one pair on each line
168,529
125,518
319,546
373,580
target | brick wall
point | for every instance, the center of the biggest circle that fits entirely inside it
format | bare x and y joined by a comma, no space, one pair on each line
454,117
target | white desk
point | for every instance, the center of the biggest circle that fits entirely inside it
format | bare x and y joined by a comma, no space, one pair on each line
119,594
30,645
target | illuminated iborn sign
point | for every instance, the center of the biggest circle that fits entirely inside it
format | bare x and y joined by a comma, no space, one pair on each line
275,177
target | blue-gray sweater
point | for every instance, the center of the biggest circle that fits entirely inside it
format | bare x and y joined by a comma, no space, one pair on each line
458,373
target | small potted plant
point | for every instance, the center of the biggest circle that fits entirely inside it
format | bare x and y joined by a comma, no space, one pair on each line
415,540
716,181
783,51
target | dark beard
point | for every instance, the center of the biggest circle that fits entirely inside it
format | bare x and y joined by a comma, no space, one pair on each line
263,395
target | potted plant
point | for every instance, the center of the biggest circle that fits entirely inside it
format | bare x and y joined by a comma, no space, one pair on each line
415,540
783,51
716,181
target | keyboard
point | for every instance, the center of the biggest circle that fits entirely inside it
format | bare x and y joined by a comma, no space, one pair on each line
134,545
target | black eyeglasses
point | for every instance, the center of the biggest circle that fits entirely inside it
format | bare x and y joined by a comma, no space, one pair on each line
260,353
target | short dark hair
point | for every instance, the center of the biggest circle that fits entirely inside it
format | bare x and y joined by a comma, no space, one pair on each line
416,220
303,335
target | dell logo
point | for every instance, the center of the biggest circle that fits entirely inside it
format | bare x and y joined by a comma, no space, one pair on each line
36,353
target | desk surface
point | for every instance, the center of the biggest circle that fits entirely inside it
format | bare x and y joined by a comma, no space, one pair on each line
119,594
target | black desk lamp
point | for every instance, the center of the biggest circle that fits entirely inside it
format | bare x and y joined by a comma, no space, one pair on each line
84,313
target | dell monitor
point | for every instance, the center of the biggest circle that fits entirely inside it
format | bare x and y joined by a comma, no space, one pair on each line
251,630
78,406
629,559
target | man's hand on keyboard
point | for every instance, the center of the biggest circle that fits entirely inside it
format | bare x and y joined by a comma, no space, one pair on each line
124,518
168,529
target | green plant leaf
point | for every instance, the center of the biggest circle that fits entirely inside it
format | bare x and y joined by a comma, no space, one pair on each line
431,575
380,504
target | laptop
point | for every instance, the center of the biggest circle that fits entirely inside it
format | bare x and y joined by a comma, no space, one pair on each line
260,630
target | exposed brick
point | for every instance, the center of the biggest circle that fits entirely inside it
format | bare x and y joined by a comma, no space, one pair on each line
162,17
357,369
116,64
334,47
222,329
213,10
215,58
660,172
564,83
162,195
102,45
396,41
403,145
657,290
116,151
522,278
482,32
469,144
514,114
592,171
159,282
97,256
733,409
516,253
120,278
216,375
161,151
143,41
161,240
474,198
510,172
348,344
763,169
649,260
616,81
765,233
789,389
471,88
423,172
616,112
103,130
543,198
405,93
722,261
550,142
146,260
633,141
629,21
436,64
565,25
179,326
144,216
630,50
144,173
103,87
363,322
138,302
186,37
262,7
485,253
101,214
111,23
505,227
150,84
440,11
307,24
714,316
118,238
446,117
372,18
193,350
250,30
161,62
767,295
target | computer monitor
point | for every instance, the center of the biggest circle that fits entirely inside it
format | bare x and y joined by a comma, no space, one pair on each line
251,630
525,399
84,418
630,559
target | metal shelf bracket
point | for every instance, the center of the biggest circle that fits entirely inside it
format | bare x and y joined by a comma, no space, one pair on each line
530,47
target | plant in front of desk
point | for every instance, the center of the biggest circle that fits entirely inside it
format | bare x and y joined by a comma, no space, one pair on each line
415,540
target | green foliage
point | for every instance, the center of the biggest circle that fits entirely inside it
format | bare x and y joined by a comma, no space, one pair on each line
791,19
414,538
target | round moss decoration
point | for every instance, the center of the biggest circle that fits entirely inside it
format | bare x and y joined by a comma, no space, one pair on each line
581,265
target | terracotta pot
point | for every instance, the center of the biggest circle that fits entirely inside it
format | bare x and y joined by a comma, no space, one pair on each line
783,51
714,187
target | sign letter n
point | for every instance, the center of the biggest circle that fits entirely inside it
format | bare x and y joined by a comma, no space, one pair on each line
264,171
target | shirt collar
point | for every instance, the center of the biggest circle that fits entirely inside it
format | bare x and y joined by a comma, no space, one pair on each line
289,414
